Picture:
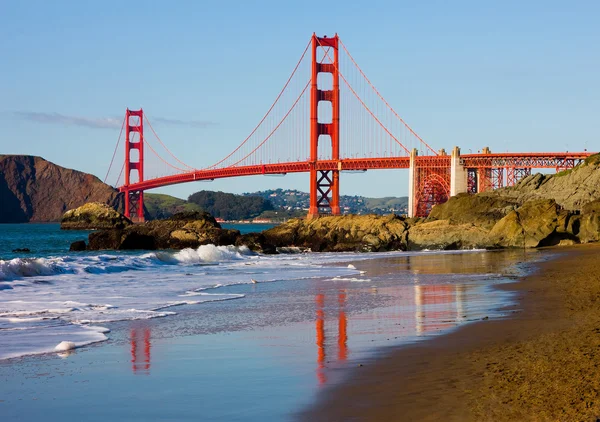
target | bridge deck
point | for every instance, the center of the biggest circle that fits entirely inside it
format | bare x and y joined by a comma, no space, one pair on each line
553,160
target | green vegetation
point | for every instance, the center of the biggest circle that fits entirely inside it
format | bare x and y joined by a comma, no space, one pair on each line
387,202
229,206
593,159
282,215
277,205
159,206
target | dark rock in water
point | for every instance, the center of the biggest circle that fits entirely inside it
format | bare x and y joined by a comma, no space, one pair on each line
105,239
93,216
22,250
195,216
183,230
256,242
78,246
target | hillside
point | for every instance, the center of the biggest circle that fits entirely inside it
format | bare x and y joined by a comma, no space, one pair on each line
229,206
36,190
159,206
294,200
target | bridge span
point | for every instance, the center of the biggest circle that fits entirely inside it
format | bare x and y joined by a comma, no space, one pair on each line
327,119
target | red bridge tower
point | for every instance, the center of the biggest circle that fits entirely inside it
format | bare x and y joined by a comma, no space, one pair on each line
134,199
324,184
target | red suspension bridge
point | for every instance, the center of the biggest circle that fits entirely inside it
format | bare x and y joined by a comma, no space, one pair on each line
328,118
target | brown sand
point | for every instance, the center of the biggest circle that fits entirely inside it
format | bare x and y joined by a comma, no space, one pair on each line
543,364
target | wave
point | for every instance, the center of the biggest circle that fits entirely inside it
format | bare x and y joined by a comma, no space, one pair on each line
18,268
31,267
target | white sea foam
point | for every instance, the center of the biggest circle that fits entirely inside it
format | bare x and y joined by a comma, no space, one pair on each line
44,301
353,279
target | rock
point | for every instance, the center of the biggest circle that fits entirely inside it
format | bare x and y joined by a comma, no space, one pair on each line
256,242
572,189
587,227
21,250
184,230
93,216
567,242
78,246
483,210
342,233
540,222
105,239
444,235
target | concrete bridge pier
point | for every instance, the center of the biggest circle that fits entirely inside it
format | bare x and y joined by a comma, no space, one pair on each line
458,178
458,174
411,183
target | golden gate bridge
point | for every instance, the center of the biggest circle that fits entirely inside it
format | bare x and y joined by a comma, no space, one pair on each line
327,118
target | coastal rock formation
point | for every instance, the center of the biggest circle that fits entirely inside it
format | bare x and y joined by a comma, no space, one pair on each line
183,230
93,216
442,234
33,189
482,210
540,222
541,210
572,189
342,233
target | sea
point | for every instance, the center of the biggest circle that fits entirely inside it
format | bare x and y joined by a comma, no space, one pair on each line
218,332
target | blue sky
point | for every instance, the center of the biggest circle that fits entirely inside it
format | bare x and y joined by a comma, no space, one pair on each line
512,75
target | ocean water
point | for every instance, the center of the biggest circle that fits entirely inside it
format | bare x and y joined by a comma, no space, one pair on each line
235,325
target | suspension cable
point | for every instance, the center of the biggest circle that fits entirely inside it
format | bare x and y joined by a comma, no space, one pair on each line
275,128
162,159
115,151
366,107
383,99
268,112
164,146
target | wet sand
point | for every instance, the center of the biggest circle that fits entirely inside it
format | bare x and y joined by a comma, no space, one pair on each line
541,363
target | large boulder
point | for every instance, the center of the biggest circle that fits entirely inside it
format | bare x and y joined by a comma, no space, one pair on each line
93,216
483,210
536,223
184,230
342,233
442,234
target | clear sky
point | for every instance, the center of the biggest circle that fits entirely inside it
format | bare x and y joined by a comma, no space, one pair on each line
511,75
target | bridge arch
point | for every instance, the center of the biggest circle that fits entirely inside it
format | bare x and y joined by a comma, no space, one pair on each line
433,188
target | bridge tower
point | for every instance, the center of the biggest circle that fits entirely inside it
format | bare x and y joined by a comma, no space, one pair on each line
134,199
324,184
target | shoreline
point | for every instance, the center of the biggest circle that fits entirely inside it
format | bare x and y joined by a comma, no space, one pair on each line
538,363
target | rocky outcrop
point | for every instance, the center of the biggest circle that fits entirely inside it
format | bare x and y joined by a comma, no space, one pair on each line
541,210
540,222
184,230
571,189
442,234
33,189
342,233
93,216
483,210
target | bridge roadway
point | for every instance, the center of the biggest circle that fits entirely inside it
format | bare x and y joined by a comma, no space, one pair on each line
555,160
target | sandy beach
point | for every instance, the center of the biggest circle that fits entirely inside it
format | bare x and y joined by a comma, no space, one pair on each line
541,363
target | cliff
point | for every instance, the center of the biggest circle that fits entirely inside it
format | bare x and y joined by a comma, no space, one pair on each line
33,189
